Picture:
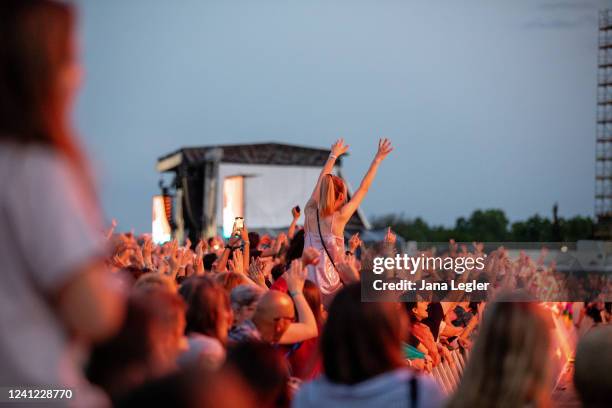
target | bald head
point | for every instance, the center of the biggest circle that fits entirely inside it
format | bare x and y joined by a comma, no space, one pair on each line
273,315
593,366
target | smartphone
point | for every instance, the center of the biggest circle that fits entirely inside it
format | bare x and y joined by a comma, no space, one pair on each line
297,209
238,226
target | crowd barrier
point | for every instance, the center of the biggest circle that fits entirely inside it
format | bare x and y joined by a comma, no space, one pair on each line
447,374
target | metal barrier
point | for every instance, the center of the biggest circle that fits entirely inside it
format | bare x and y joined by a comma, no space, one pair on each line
448,374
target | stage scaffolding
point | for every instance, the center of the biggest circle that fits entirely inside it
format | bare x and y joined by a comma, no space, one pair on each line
603,150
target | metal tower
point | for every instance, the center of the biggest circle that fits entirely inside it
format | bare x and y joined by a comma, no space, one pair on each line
603,151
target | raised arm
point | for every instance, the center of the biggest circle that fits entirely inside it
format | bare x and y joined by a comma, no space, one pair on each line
296,215
306,326
337,150
384,148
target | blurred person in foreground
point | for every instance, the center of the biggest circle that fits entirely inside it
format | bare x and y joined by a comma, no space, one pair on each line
55,292
593,367
363,362
509,365
145,348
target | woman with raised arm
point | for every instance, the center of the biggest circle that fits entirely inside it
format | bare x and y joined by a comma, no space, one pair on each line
327,213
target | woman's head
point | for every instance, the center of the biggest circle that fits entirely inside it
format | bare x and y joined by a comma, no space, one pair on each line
333,194
508,366
417,311
208,308
244,301
361,339
39,72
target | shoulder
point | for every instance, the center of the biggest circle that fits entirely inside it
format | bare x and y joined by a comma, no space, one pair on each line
246,331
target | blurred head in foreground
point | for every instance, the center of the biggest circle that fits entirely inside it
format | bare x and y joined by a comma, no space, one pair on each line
263,370
147,345
593,366
509,365
361,339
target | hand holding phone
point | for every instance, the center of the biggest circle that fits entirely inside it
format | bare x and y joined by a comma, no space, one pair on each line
295,211
238,226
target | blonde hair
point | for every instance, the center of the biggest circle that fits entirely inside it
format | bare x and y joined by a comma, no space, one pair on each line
332,189
509,365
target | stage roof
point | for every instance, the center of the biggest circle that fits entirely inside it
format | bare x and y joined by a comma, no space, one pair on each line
258,153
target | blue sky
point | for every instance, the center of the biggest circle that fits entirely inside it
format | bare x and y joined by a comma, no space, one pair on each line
490,104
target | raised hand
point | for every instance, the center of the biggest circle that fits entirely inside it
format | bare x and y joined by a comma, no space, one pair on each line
147,251
339,148
256,273
237,263
137,258
310,256
198,262
295,276
390,237
354,242
295,213
266,267
384,148
200,248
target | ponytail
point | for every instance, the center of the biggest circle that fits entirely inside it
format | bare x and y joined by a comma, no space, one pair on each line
330,190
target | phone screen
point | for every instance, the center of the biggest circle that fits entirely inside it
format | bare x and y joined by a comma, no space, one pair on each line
238,225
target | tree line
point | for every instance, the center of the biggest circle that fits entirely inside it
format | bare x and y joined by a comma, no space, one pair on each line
491,225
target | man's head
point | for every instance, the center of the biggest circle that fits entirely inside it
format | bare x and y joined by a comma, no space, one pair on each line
593,366
273,315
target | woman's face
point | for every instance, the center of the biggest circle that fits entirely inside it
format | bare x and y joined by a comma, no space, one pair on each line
242,313
226,319
420,310
70,75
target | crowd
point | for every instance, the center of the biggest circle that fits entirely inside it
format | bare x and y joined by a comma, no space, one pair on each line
251,321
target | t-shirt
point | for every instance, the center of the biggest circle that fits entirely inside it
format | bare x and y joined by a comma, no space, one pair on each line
46,234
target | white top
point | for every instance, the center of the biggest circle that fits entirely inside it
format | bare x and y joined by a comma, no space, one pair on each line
387,390
323,274
46,233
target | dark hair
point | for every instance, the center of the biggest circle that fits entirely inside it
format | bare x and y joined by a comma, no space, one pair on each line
204,298
36,43
209,260
254,240
277,271
296,247
409,306
360,339
264,369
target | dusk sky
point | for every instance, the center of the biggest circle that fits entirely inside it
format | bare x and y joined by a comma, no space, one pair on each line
489,104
